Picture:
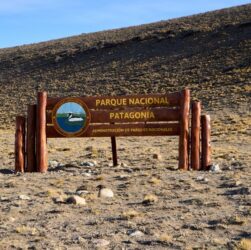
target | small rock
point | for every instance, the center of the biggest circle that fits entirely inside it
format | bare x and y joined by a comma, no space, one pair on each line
12,219
3,198
24,197
58,59
59,199
88,164
76,200
123,165
215,168
101,242
157,156
202,178
87,174
123,177
136,233
53,164
105,192
81,190
237,183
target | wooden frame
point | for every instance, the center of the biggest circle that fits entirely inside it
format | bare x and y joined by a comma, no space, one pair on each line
20,144
113,116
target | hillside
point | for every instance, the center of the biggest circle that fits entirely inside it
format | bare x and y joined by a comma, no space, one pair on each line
209,53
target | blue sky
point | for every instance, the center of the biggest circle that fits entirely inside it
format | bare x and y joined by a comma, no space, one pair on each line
30,21
70,107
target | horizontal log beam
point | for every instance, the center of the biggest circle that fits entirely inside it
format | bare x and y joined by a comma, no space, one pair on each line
111,102
137,129
129,115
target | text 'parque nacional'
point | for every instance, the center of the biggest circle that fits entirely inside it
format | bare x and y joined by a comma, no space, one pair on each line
144,101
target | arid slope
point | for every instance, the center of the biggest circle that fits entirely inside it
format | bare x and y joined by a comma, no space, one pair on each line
209,53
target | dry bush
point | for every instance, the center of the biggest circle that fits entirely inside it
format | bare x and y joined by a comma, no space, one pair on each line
131,214
245,244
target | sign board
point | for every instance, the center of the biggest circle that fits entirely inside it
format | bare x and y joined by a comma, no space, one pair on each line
135,115
112,116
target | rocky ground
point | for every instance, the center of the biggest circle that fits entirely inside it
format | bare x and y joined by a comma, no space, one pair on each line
155,206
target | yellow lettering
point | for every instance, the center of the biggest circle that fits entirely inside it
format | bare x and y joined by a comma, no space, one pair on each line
124,102
102,102
97,102
131,101
151,115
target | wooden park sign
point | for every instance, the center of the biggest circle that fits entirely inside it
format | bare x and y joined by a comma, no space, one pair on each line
112,116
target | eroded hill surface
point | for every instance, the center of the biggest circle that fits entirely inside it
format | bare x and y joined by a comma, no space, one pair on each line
209,53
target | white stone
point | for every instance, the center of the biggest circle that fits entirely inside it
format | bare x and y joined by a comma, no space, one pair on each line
200,178
24,197
59,199
123,177
76,200
238,183
122,164
88,164
87,174
12,219
136,233
81,192
53,164
105,193
215,168
3,198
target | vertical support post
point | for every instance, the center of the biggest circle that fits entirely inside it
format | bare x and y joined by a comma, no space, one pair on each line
20,144
195,136
184,129
114,151
41,147
206,142
31,139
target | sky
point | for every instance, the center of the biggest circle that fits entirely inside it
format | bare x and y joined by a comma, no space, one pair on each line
70,107
31,21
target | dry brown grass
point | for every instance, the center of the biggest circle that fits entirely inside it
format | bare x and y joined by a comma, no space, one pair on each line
245,244
155,181
131,214
150,198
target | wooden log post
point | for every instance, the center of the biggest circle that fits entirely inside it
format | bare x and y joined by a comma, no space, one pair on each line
41,147
195,136
114,151
184,129
205,142
30,139
20,144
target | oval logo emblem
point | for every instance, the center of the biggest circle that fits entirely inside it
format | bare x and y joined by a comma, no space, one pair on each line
71,117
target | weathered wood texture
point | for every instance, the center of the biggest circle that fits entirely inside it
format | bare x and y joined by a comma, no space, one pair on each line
195,136
136,129
100,102
129,115
206,142
31,139
41,147
20,144
184,129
